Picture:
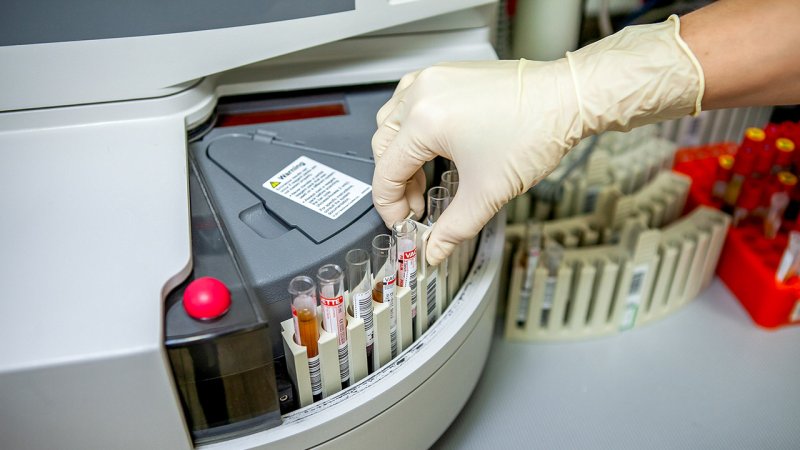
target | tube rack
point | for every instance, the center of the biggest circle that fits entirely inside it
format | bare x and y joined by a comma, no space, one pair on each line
433,295
606,289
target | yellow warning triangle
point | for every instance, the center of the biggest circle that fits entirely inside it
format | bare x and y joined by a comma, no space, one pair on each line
274,184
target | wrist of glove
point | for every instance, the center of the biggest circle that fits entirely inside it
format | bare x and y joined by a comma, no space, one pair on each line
507,124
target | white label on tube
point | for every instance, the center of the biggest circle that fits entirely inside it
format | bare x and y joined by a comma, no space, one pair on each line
335,321
634,298
407,272
362,309
296,327
333,315
315,374
318,187
388,298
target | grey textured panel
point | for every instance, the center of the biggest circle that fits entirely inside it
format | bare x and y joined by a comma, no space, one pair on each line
275,239
706,377
40,21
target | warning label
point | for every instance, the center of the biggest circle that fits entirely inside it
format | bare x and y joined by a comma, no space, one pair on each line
318,187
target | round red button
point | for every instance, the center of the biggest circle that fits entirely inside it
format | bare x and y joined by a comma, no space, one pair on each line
206,298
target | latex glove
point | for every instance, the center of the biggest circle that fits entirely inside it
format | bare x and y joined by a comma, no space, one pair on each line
507,124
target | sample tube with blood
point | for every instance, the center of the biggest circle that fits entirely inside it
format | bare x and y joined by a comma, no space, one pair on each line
743,166
384,265
722,176
359,283
749,200
304,311
405,233
334,317
784,154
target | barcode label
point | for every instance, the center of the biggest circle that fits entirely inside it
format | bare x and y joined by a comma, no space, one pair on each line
431,298
549,293
634,297
362,309
413,286
344,364
388,298
547,302
315,375
393,338
636,284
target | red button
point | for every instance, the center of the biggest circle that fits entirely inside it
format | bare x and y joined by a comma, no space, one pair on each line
206,298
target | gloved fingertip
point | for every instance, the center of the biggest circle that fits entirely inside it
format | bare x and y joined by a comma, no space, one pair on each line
438,251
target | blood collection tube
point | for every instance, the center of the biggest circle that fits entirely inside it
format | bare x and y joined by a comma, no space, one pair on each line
304,311
334,319
553,252
533,243
722,176
777,206
405,233
783,155
359,283
743,166
749,200
438,200
384,265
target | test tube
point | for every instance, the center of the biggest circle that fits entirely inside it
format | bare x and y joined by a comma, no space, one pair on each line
723,175
331,295
784,155
405,233
359,283
438,200
743,166
384,263
777,206
553,252
450,182
304,311
748,200
533,242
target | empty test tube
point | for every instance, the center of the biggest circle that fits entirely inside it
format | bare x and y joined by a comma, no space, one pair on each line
359,284
384,265
334,319
438,200
450,181
405,233
304,311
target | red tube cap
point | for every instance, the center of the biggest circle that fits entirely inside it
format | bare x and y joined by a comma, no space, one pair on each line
206,298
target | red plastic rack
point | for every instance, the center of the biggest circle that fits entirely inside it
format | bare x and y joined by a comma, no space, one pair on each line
749,260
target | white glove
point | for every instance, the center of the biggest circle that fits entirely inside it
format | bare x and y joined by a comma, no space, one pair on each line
507,124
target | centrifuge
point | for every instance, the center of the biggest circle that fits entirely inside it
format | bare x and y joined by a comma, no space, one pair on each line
135,142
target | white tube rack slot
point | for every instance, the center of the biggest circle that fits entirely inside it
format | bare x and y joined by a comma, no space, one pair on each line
607,289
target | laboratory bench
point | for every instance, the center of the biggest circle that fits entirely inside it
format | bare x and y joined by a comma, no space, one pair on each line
704,377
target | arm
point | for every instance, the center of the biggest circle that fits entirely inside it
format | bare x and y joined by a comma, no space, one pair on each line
507,124
749,51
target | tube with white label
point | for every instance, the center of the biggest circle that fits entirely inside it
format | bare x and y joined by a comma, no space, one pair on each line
304,312
405,233
334,317
384,263
359,283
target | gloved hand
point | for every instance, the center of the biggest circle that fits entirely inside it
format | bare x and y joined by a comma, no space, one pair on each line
507,124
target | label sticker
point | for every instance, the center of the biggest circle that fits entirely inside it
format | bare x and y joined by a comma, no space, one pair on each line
318,187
